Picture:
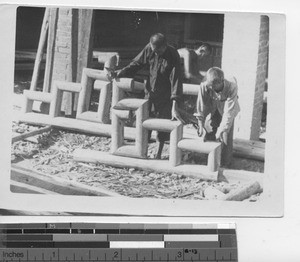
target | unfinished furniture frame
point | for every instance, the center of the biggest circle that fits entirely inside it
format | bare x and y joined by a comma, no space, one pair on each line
175,128
139,150
98,80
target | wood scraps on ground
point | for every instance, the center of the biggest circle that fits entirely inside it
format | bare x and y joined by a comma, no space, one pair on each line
53,156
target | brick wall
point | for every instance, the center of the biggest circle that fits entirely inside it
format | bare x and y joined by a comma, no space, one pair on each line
261,74
63,49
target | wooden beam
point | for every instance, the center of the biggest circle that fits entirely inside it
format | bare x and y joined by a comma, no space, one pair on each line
40,51
77,125
17,187
38,96
85,40
130,104
197,145
249,149
50,49
163,125
153,165
32,133
55,184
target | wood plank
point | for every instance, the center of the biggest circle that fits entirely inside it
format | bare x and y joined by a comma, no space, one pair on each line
85,40
196,171
53,19
58,185
40,51
17,187
32,133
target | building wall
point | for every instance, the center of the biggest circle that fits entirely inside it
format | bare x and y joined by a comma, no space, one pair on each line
245,57
261,75
63,49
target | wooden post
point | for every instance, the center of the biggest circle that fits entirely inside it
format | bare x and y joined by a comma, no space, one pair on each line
117,132
28,104
214,159
118,89
50,49
227,148
141,141
104,103
40,51
85,44
55,106
175,151
86,91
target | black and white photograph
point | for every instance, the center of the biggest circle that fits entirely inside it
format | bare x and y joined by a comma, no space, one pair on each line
145,104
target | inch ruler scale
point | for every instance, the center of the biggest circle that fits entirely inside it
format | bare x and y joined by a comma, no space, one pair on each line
72,242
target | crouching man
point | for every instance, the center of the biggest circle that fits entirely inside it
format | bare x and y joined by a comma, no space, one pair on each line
218,98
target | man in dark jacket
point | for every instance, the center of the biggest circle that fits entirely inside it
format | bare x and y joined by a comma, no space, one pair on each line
164,84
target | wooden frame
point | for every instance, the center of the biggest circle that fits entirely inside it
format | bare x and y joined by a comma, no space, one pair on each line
139,150
99,80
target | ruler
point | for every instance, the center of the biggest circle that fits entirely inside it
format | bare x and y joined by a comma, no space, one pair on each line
117,242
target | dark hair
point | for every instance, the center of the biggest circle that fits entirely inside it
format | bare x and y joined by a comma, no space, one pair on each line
158,40
206,45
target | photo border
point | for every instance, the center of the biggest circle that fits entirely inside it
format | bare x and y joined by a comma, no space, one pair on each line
271,205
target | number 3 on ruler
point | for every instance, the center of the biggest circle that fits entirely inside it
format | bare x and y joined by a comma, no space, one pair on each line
179,254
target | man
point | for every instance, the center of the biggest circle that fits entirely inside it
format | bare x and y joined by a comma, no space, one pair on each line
164,84
218,98
192,62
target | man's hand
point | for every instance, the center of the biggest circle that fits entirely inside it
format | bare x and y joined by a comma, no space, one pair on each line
112,74
222,137
175,113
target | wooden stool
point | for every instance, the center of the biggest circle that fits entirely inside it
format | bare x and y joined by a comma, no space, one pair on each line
213,149
175,128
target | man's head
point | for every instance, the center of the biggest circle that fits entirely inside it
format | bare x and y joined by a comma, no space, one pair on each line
203,50
158,43
215,79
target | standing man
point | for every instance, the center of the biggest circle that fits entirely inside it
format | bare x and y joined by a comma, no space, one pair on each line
218,98
164,84
192,62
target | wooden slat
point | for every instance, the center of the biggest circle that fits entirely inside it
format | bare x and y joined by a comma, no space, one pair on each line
32,133
54,184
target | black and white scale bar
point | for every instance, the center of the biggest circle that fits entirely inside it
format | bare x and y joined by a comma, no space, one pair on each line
108,254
